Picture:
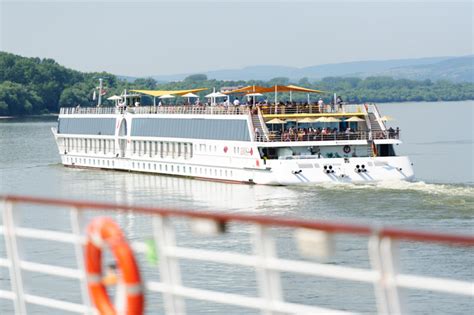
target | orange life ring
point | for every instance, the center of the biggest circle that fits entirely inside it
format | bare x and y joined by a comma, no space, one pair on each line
104,231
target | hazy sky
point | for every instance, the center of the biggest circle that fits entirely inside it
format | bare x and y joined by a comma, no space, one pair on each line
167,37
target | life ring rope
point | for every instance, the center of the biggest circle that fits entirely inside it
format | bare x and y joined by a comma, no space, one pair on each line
102,232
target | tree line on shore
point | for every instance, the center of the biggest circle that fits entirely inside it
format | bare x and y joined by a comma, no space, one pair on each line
31,86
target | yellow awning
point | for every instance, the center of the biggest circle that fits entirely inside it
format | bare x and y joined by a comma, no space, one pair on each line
273,89
158,93
251,89
294,88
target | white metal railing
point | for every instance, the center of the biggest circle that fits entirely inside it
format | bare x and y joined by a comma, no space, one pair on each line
192,110
273,109
217,110
312,237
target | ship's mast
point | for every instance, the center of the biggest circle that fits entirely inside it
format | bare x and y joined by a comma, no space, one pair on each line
99,100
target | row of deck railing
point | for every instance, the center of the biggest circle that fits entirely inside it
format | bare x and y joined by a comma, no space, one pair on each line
314,239
192,110
335,136
217,110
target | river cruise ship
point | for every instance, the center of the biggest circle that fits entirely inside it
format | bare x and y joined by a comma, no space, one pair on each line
270,143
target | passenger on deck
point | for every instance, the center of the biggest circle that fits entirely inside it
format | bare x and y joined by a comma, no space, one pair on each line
236,102
339,103
391,133
257,133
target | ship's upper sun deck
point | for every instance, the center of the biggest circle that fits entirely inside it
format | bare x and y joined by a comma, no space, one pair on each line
268,110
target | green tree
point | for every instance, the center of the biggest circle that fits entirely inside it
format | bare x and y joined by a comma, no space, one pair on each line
196,78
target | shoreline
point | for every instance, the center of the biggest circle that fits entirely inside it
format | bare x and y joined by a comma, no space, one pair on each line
29,116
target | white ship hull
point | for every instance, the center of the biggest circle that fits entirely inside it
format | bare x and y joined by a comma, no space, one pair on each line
245,170
129,142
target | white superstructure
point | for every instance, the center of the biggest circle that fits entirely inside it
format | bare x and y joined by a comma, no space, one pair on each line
235,143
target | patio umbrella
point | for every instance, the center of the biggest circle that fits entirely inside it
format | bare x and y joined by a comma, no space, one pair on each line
115,98
321,119
306,120
189,95
253,95
166,96
215,95
387,118
354,119
276,121
332,119
169,96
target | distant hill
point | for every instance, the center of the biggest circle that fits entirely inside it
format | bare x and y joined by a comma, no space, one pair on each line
456,69
459,69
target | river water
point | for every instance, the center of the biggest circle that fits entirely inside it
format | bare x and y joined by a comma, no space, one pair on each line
438,137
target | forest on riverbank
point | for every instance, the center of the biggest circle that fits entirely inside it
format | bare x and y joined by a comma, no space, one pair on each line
30,86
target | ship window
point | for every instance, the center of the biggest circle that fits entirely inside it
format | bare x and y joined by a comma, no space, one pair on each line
90,144
385,150
166,168
190,170
177,169
133,164
172,168
225,173
161,167
143,165
134,146
100,145
149,166
156,148
144,147
202,148
154,167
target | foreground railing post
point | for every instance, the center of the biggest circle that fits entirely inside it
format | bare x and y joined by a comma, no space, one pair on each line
390,268
386,291
76,225
169,268
16,280
376,263
268,280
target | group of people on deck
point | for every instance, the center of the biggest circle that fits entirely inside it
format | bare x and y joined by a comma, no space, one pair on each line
308,134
